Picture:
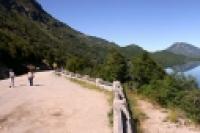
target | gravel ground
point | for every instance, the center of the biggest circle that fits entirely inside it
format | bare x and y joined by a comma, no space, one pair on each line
52,105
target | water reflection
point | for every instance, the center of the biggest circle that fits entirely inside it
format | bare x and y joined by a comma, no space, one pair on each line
190,69
186,67
195,72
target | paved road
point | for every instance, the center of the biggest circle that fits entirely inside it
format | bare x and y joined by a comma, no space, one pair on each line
53,105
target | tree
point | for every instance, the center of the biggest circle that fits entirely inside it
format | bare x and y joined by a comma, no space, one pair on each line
115,67
144,70
76,64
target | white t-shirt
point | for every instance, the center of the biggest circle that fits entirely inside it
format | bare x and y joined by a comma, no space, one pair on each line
11,74
30,75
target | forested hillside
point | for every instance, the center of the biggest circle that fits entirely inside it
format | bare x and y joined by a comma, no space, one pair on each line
168,59
29,35
132,50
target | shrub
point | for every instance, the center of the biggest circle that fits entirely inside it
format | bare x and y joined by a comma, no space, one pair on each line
115,67
171,92
144,70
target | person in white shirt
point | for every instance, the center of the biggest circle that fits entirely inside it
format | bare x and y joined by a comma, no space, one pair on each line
12,78
30,77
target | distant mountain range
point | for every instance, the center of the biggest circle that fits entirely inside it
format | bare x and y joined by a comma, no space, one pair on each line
185,49
178,53
167,58
28,34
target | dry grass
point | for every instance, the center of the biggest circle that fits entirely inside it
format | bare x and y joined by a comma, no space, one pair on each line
137,115
173,116
90,86
132,98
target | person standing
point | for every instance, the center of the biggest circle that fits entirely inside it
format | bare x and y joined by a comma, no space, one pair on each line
12,78
30,77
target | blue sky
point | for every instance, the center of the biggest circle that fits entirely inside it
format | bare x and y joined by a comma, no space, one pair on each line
151,24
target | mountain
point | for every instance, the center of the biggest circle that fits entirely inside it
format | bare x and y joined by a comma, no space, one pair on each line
185,49
131,50
177,54
169,59
163,58
29,35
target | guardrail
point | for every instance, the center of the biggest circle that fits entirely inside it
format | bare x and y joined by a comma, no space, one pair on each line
86,78
121,116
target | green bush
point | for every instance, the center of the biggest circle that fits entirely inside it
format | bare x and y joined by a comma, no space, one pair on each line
144,70
190,103
115,67
175,91
171,91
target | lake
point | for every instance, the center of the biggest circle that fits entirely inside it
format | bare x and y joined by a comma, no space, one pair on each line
195,72
192,69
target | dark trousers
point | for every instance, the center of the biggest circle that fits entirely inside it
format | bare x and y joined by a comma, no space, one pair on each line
31,81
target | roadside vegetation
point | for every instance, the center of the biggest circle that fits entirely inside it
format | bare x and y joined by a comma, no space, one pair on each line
169,91
149,79
42,40
144,75
137,115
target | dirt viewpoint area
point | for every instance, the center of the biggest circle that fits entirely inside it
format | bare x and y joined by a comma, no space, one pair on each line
53,105
156,121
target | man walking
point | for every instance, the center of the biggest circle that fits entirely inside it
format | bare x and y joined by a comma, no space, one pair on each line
12,78
30,77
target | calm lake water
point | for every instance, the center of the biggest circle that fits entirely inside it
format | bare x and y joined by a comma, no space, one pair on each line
193,71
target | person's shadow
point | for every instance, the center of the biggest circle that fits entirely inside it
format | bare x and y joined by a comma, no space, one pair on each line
22,85
38,85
